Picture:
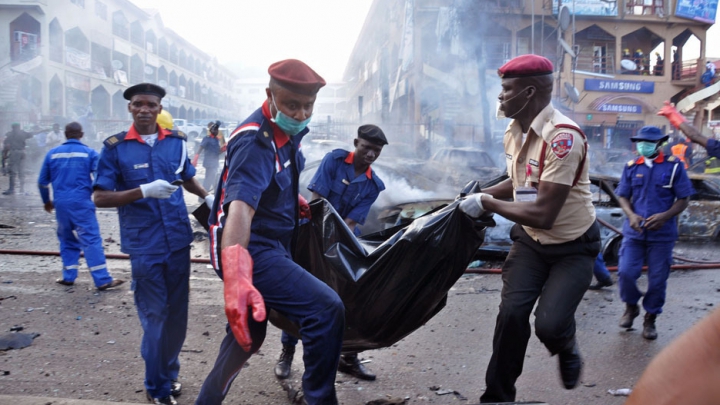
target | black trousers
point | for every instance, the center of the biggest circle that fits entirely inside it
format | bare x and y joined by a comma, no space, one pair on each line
556,276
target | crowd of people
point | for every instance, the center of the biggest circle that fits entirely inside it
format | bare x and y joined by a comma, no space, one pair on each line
256,209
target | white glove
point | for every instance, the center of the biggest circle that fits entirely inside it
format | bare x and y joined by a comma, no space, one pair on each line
209,200
472,205
157,189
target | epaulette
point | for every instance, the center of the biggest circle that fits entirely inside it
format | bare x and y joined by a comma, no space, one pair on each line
631,163
179,134
112,141
672,158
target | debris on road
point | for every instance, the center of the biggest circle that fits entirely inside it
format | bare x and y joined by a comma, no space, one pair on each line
14,340
622,392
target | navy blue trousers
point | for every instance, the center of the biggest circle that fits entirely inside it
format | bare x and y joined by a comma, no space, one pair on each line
633,253
292,291
79,216
162,285
600,270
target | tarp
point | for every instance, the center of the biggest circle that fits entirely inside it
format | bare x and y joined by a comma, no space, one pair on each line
393,289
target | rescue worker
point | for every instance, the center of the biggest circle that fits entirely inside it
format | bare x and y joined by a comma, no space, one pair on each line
69,168
252,231
14,154
556,238
213,144
639,59
351,186
712,165
678,121
653,190
659,65
682,151
135,173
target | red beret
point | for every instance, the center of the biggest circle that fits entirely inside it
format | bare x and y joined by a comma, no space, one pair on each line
526,66
296,76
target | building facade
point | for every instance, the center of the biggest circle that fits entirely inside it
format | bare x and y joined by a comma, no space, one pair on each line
64,58
429,67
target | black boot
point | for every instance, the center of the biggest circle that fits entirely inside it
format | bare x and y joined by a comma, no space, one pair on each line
631,312
284,364
9,192
649,331
600,284
570,366
350,364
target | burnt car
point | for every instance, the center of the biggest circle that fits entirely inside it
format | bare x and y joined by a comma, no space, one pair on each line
458,166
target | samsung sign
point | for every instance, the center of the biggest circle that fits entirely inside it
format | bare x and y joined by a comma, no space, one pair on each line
619,86
621,108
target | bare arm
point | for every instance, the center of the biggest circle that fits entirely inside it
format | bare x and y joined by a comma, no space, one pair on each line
693,134
193,186
686,371
540,213
634,218
237,225
109,199
503,190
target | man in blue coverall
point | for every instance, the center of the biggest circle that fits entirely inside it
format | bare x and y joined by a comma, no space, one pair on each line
252,230
138,172
350,185
213,144
653,190
679,122
69,168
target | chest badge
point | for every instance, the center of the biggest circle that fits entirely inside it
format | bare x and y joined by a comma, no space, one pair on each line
141,166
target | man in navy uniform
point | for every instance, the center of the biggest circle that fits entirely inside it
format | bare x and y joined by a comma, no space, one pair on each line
69,168
351,186
252,230
653,190
138,172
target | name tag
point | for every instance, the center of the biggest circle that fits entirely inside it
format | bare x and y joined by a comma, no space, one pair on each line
345,182
286,164
533,162
508,156
639,175
141,166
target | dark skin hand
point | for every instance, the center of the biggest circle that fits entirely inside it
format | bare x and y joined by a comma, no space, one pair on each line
539,214
49,206
655,221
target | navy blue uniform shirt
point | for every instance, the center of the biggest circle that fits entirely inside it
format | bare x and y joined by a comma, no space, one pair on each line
351,196
652,190
68,168
262,166
148,225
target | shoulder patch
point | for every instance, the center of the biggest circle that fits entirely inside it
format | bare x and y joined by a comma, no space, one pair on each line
112,141
630,163
672,158
179,134
562,144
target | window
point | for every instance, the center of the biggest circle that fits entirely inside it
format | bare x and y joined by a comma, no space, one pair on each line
120,25
56,41
101,10
79,3
645,7
137,34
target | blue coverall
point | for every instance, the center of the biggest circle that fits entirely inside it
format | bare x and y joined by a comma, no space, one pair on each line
211,154
351,196
651,190
156,233
713,148
68,168
261,169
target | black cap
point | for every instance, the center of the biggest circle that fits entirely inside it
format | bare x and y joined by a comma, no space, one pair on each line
144,88
372,133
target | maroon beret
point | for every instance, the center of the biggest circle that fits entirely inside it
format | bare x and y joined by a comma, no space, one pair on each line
296,76
526,66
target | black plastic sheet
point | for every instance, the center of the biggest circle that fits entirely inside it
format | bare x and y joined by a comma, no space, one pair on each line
391,289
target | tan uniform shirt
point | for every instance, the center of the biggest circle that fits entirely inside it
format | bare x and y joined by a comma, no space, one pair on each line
563,155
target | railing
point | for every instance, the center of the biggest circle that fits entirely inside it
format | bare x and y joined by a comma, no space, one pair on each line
603,64
686,70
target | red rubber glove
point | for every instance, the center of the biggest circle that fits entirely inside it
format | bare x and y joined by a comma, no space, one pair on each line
195,159
304,208
669,112
240,293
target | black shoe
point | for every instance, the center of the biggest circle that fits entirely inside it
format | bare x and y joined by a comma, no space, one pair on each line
111,284
9,192
350,364
176,388
284,364
631,312
570,366
649,331
64,282
168,400
600,284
